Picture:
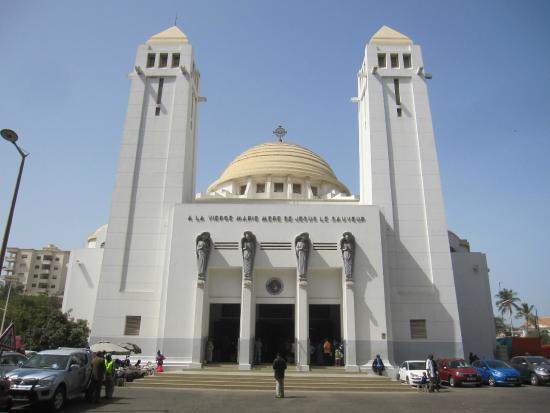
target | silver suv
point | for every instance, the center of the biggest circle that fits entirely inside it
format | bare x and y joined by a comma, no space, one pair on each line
52,376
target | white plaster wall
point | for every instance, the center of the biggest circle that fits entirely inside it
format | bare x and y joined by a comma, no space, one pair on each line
474,303
82,282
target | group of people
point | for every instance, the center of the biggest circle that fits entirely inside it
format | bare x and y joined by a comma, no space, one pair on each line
103,371
327,353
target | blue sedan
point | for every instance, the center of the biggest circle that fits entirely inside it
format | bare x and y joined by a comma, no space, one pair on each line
495,372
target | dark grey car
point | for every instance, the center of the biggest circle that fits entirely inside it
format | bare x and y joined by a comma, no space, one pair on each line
533,369
51,376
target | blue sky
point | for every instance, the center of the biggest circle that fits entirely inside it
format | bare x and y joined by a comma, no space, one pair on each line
264,63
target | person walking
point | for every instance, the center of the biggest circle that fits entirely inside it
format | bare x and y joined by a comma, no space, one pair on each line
378,365
98,374
279,367
109,376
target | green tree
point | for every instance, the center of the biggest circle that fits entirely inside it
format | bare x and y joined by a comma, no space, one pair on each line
500,327
525,311
41,323
506,303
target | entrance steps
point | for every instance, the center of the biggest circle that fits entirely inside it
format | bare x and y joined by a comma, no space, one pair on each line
227,377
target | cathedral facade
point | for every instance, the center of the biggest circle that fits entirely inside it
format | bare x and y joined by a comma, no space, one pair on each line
277,253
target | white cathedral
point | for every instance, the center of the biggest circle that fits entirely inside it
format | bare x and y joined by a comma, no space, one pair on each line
277,250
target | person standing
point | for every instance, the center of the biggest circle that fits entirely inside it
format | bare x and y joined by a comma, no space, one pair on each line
338,355
109,376
279,367
432,372
209,351
160,361
98,374
327,352
258,351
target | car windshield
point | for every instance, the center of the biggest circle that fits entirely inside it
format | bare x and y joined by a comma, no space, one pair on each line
458,363
497,364
417,366
538,360
47,361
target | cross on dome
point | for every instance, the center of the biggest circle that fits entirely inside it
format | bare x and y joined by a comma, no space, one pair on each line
279,132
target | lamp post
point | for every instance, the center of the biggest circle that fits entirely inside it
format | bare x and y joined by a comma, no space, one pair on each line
12,137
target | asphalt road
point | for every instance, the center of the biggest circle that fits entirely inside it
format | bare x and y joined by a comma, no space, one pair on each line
526,399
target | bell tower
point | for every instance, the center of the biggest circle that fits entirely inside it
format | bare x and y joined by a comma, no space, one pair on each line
399,172
156,171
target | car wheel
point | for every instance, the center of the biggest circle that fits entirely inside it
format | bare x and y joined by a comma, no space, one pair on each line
534,380
492,381
452,381
58,399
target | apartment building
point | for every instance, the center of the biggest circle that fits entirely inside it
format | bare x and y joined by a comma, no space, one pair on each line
41,271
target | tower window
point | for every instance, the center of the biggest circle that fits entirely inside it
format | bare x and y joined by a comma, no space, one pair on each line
397,94
175,60
296,188
242,189
394,60
381,59
314,191
151,60
163,62
407,61
133,324
260,188
159,96
418,329
278,187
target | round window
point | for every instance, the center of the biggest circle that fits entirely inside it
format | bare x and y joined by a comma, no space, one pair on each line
274,286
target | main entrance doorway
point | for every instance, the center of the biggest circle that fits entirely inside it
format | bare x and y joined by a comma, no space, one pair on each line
324,323
275,329
224,332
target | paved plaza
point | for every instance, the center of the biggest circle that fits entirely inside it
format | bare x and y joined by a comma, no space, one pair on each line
526,399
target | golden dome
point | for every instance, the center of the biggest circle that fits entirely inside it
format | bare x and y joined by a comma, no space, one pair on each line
279,159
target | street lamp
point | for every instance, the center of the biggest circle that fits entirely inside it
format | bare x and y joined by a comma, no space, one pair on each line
12,137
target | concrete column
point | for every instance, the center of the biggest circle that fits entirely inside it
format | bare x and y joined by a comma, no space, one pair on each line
348,297
247,327
302,327
199,325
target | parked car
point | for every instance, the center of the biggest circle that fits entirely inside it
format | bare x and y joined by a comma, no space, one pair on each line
411,371
10,360
457,372
495,372
5,398
533,369
51,377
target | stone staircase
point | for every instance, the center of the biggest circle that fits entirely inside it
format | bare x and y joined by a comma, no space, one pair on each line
261,378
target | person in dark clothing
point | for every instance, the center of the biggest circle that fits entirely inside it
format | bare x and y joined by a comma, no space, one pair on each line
98,374
279,366
378,365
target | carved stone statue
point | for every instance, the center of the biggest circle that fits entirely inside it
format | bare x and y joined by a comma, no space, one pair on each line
204,245
347,245
301,244
248,249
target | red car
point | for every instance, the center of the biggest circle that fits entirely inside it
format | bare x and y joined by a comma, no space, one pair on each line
457,372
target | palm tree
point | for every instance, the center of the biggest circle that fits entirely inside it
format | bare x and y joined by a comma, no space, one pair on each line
506,303
525,311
